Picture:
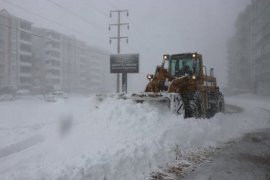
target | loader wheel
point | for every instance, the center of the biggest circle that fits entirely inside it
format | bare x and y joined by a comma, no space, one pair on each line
221,104
180,110
177,104
197,107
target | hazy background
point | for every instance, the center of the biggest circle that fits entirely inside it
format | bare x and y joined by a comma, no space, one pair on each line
156,27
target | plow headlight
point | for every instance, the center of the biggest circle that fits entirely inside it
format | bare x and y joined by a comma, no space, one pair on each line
193,77
166,57
150,76
193,55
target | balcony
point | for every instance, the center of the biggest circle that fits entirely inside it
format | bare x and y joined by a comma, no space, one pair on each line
263,57
27,64
25,74
49,48
265,76
50,76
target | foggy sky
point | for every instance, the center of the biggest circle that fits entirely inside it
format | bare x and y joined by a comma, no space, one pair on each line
156,27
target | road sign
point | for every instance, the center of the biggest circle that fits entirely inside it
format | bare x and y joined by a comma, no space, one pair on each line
124,63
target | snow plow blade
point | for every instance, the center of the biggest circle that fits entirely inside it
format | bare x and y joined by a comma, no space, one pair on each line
150,97
174,100
101,97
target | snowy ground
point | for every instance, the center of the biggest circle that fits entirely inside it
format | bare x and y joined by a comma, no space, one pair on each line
81,138
247,158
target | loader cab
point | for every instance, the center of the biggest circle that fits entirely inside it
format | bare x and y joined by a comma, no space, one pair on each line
188,64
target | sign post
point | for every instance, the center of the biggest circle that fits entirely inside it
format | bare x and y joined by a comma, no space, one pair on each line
124,63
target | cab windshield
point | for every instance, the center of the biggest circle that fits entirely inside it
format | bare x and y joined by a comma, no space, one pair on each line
181,65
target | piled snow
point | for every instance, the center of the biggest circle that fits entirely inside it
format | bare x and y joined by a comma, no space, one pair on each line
82,138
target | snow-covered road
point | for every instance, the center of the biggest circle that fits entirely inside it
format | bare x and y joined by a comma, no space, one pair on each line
82,138
247,158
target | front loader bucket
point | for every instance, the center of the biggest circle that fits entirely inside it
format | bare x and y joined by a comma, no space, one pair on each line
149,97
101,97
174,100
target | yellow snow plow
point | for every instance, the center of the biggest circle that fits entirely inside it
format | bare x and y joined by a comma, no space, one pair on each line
183,83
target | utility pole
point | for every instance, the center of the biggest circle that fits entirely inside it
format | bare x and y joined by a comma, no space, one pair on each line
118,38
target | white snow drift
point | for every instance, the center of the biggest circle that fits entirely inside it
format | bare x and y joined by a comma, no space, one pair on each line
82,138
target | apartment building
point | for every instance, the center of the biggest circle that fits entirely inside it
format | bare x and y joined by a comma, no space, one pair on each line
84,68
70,63
15,52
102,80
239,54
42,60
75,65
249,50
260,44
47,51
63,62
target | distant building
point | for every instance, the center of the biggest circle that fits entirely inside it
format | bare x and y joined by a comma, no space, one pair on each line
249,50
260,44
42,60
47,53
70,63
15,52
239,66
65,63
97,60
83,67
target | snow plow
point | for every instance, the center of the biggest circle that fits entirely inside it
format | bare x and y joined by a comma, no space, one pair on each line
183,84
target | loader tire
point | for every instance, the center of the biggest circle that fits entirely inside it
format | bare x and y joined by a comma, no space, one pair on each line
177,104
221,103
198,109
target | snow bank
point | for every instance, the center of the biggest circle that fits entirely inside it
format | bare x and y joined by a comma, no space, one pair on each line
114,139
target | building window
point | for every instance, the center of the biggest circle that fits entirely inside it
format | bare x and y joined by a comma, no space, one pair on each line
56,81
56,63
266,48
53,54
25,47
54,35
25,58
1,44
53,63
25,69
2,19
54,44
25,80
25,25
53,72
83,60
25,36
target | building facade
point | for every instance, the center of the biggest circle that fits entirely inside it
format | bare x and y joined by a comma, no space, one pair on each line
260,44
47,53
65,63
43,60
70,63
249,50
15,52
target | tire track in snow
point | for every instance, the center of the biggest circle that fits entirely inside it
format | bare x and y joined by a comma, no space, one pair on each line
231,109
20,146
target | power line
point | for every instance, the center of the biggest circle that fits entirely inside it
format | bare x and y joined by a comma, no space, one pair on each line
143,39
112,5
145,42
98,10
78,16
73,13
103,13
46,38
141,36
45,18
